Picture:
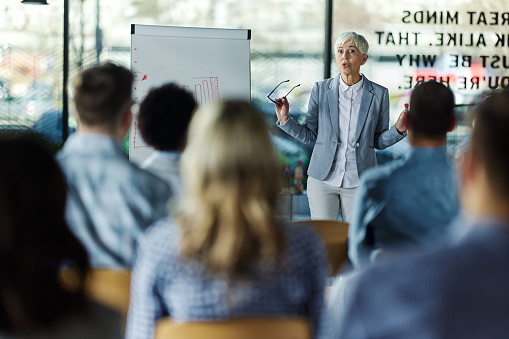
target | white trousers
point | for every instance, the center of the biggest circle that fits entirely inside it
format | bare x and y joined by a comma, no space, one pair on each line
325,201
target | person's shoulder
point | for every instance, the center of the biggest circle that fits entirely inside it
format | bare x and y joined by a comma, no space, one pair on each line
161,237
140,183
302,238
426,267
447,267
374,85
65,154
411,274
398,284
60,155
144,174
97,153
326,83
162,230
148,182
300,232
304,247
375,176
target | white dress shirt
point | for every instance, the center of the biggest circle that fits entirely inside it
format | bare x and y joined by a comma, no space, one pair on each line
344,169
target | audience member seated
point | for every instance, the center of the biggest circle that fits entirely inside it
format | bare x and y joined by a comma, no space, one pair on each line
35,243
225,256
459,290
406,205
111,201
163,120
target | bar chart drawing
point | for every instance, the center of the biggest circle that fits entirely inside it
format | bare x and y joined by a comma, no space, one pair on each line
200,82
204,88
206,91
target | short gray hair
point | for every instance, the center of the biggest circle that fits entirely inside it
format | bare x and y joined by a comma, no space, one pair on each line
358,40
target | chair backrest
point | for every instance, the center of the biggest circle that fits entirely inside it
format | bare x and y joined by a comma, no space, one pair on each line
335,237
107,286
110,287
248,328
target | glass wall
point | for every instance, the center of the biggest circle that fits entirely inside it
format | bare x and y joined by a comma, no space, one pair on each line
31,68
459,42
286,44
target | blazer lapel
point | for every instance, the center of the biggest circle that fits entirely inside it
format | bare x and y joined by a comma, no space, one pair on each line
333,98
367,98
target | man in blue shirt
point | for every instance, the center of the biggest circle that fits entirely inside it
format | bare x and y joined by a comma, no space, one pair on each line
110,201
460,290
408,204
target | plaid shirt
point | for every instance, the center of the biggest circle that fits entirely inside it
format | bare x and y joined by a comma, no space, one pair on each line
110,200
163,284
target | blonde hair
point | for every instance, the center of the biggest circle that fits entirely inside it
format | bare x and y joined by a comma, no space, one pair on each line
230,171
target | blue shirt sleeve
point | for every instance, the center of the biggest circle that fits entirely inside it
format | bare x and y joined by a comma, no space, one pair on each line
145,307
357,227
318,273
311,251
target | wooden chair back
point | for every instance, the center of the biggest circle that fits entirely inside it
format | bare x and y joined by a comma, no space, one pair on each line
335,237
110,287
248,328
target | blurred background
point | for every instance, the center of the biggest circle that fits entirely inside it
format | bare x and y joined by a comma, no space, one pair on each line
289,42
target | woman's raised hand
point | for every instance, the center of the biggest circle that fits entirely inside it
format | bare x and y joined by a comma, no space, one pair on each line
282,109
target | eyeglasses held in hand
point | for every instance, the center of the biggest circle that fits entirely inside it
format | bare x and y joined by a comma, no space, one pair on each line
277,103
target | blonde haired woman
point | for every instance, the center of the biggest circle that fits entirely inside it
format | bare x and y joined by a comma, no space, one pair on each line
225,255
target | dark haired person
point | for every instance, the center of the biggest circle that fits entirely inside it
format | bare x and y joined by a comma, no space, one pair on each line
410,203
35,244
163,120
458,291
111,201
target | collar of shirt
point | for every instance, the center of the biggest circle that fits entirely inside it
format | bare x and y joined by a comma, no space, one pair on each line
91,143
343,87
427,153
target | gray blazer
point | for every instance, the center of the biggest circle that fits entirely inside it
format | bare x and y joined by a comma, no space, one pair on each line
322,126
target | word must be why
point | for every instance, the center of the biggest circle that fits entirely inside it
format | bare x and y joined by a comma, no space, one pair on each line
455,61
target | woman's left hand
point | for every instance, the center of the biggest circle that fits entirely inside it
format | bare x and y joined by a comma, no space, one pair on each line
402,123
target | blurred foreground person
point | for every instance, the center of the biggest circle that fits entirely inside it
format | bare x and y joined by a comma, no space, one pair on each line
226,256
111,201
459,291
35,243
163,120
409,204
